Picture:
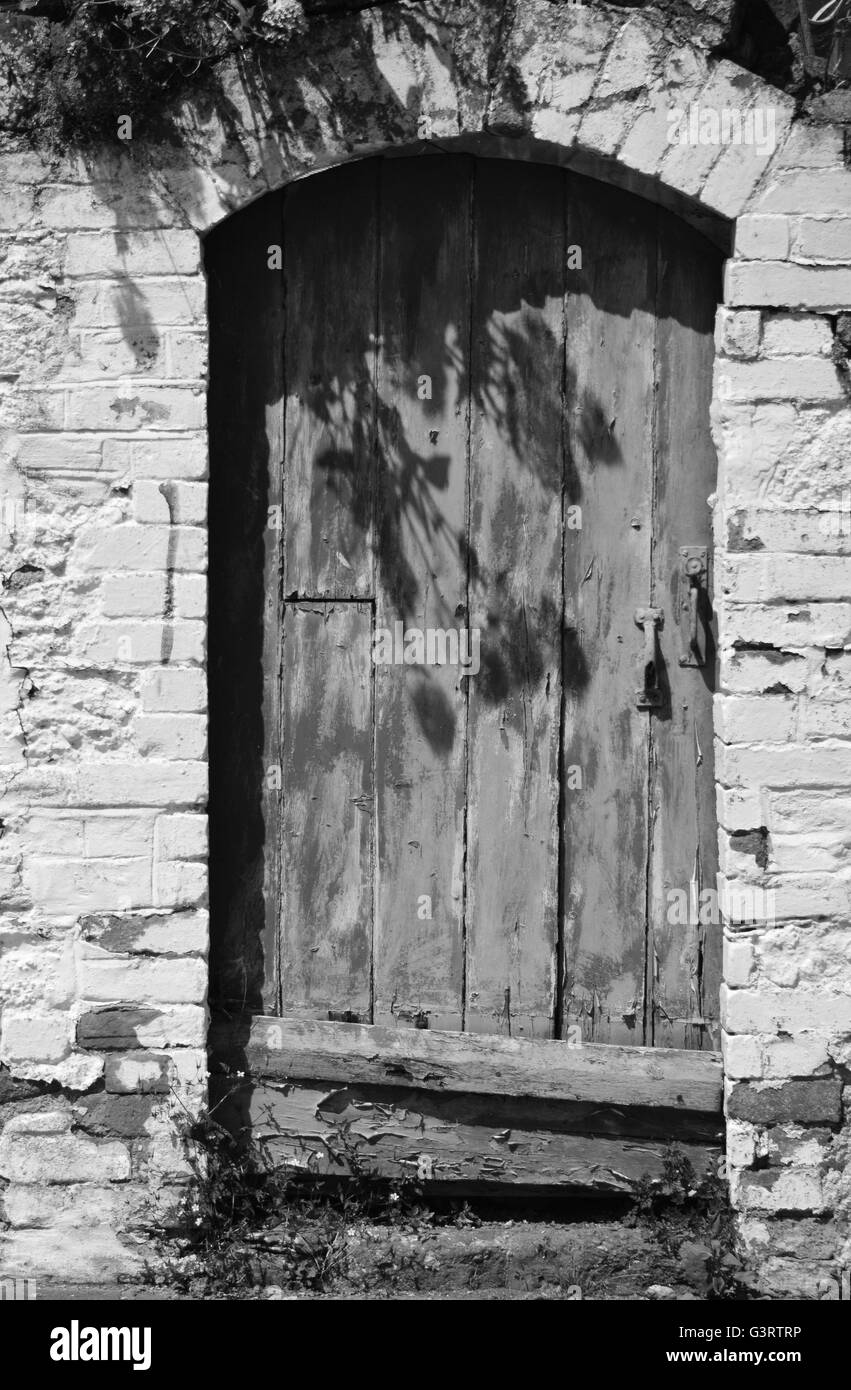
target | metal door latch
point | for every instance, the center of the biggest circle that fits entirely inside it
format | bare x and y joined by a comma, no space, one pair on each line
693,603
650,695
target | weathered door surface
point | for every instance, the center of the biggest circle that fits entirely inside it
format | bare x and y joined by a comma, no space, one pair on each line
496,434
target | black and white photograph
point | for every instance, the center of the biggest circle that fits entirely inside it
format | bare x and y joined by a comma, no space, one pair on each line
425,677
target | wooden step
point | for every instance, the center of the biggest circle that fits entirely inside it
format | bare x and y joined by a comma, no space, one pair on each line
461,1112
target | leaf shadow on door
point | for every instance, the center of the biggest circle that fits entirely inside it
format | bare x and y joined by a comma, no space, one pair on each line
521,403
521,639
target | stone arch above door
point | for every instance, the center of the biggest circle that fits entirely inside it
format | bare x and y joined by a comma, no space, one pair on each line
562,83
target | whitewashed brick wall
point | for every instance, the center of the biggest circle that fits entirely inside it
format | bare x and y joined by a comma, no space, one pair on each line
783,427
103,973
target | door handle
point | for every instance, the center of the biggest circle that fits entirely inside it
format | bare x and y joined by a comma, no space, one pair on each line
650,695
694,560
694,589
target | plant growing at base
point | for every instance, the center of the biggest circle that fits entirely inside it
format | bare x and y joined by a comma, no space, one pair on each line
694,1222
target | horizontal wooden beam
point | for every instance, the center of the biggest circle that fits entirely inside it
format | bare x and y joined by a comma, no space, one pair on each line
354,1053
444,1142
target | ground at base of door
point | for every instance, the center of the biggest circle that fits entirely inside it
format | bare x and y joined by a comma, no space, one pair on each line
577,1261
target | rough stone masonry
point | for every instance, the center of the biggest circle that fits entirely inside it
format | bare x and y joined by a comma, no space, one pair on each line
103,452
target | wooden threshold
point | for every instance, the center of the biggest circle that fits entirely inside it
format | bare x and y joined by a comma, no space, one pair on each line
463,1114
470,1063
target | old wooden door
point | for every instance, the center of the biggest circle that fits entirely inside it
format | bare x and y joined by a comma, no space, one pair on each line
496,380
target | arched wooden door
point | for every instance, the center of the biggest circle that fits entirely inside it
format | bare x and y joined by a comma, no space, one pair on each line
494,442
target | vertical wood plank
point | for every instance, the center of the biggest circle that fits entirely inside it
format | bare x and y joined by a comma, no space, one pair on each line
326,906
515,598
610,384
246,413
685,959
422,480
330,243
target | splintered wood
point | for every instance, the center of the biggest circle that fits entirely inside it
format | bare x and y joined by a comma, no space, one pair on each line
465,1111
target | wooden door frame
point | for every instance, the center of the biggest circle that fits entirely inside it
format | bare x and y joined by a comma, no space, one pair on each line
245,1035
